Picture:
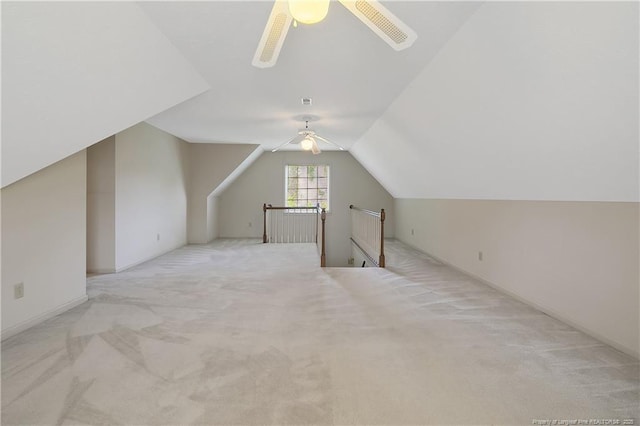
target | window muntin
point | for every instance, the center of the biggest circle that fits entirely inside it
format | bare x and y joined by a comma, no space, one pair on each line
307,185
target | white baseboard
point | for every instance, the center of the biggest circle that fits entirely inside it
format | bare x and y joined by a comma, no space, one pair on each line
15,329
549,312
148,258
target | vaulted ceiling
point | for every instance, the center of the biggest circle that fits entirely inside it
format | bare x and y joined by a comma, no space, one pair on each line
349,72
503,100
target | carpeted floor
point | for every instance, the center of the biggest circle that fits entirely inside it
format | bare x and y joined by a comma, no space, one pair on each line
237,332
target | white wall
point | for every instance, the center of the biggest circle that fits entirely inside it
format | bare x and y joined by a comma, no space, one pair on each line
44,243
210,166
577,261
101,206
263,182
60,58
527,101
151,170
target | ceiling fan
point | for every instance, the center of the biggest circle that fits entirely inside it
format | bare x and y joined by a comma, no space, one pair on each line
374,15
308,140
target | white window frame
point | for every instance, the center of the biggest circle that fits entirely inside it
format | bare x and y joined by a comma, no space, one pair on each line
286,184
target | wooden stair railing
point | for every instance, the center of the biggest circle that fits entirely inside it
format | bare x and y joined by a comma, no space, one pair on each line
293,225
367,232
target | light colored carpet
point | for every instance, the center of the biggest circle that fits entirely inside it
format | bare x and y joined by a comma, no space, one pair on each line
237,332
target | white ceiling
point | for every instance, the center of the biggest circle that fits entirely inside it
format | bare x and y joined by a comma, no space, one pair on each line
508,100
74,73
527,101
351,74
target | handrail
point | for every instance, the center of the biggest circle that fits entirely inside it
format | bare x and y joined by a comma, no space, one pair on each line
363,251
270,207
369,212
382,216
320,217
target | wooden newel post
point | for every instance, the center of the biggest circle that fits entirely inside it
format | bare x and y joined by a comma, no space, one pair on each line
323,259
382,217
317,212
264,223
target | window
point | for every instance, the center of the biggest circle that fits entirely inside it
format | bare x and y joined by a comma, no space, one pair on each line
306,186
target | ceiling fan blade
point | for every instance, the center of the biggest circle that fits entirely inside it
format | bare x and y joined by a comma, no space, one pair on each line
381,21
273,36
314,147
329,142
296,139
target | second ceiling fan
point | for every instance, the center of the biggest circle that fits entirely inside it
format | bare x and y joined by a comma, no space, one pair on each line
308,140
374,15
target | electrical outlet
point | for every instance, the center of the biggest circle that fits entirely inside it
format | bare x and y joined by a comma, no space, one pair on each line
350,261
250,224
480,256
18,291
157,237
411,231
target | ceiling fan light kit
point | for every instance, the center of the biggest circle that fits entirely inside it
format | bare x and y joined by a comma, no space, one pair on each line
306,144
308,11
308,140
378,18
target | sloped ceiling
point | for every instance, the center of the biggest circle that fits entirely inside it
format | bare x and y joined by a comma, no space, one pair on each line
528,100
351,74
502,100
74,73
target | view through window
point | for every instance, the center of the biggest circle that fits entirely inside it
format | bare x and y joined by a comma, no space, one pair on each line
306,186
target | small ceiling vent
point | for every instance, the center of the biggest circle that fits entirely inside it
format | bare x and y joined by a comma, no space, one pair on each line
306,101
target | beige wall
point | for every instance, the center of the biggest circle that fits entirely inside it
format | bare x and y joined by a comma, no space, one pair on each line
263,182
577,261
213,213
44,243
101,206
210,165
151,169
